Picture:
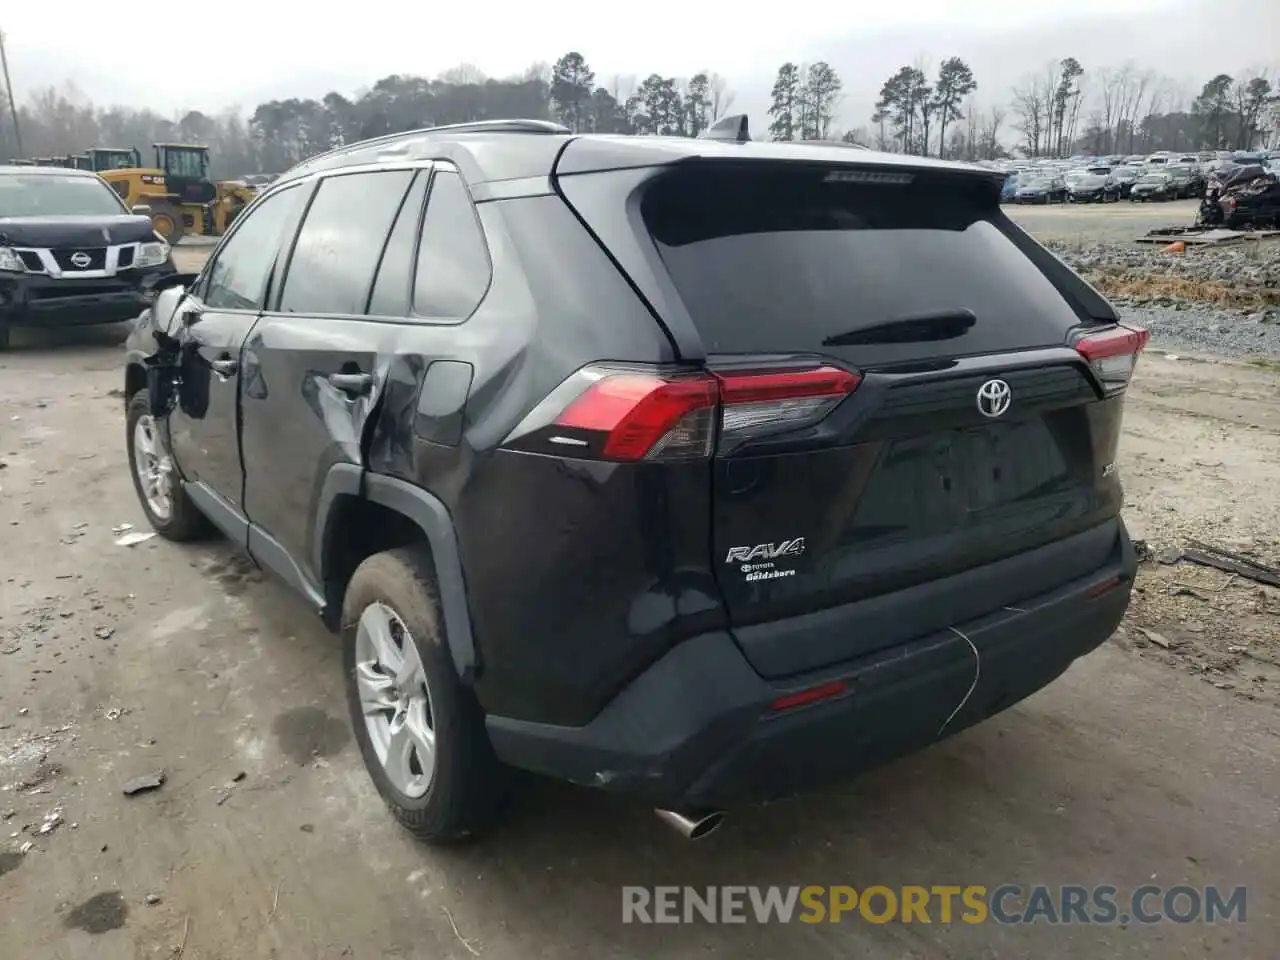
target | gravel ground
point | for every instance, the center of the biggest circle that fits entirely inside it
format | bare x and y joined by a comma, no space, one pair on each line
1196,328
1223,301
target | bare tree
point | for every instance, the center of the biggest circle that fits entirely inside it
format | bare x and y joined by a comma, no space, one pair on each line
1048,84
1253,93
622,86
721,95
1073,112
990,133
538,70
971,145
1132,88
1103,118
463,73
925,104
1030,106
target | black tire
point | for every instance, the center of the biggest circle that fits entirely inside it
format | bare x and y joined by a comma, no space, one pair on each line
469,786
4,338
185,521
165,211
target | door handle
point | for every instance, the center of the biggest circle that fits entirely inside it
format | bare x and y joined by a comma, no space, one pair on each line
225,368
356,384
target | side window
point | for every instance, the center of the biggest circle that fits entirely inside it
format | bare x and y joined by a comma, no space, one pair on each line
238,277
341,241
395,273
453,259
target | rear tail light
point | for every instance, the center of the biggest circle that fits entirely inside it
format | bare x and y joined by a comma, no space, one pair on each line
756,405
635,416
1113,354
631,415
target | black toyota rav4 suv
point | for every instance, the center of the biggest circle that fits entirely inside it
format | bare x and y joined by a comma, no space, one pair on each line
71,252
702,470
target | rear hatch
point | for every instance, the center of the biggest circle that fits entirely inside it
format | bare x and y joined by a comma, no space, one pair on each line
906,399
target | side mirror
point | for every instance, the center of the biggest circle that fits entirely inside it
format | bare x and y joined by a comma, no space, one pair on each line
140,210
174,280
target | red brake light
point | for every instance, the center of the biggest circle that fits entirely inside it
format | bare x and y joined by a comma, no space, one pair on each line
643,413
1113,354
756,387
609,413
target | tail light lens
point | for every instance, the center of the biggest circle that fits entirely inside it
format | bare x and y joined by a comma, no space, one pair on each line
1113,354
632,415
637,416
756,405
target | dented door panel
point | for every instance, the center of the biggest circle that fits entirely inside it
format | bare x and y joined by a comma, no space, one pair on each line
310,385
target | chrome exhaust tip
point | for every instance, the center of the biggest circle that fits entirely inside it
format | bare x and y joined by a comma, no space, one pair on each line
692,824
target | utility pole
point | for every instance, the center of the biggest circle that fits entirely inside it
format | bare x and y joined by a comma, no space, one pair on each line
8,92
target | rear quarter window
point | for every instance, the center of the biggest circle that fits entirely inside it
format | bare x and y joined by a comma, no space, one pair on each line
453,269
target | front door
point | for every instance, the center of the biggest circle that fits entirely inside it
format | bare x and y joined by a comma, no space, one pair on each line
215,319
202,426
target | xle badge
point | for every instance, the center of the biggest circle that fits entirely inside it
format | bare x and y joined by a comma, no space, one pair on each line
760,562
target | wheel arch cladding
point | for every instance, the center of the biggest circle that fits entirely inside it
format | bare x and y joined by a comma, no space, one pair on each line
429,515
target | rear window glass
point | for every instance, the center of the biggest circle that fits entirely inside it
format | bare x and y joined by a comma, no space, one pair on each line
784,262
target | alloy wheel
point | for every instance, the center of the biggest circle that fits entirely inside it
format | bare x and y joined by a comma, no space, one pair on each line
394,700
154,468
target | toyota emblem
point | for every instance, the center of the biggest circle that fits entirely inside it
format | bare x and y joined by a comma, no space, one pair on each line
994,398
80,259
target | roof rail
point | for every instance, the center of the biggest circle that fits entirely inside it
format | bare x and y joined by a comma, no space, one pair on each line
500,126
475,126
845,144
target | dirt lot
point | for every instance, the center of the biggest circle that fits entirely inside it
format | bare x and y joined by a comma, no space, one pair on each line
1102,222
1148,762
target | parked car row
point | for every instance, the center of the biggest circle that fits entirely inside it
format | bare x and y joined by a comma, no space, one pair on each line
1158,176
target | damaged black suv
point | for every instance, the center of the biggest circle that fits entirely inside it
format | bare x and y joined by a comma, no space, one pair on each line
71,252
702,470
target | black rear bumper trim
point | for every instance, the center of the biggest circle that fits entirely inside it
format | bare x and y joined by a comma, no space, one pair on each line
694,729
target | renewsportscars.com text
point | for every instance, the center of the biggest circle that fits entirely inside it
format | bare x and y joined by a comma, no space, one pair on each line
1004,904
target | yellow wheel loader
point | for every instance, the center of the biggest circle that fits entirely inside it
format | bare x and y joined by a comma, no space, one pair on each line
181,197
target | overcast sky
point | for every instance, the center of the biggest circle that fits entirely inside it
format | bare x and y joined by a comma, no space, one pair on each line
242,54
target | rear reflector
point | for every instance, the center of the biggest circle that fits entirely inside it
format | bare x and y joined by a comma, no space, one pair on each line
1106,586
803,698
1113,354
630,415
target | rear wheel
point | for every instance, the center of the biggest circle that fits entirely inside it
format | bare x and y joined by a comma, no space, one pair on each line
420,730
4,338
167,221
168,508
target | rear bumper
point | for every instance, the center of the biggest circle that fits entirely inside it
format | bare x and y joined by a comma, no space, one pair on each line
33,300
696,730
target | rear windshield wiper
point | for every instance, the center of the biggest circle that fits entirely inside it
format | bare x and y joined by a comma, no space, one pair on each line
940,325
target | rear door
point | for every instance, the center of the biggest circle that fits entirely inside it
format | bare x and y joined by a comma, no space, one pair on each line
310,377
921,416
